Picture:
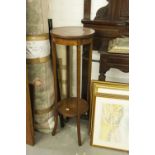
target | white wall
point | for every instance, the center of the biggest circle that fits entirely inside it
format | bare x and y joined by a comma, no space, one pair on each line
66,12
70,12
95,5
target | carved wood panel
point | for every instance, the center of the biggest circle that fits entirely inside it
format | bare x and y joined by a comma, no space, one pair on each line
116,10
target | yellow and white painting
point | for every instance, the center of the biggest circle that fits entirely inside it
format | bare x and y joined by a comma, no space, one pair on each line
111,123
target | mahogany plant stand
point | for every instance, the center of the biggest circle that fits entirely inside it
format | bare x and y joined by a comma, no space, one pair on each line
71,106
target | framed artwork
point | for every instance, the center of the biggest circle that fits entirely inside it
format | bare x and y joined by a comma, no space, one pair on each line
109,123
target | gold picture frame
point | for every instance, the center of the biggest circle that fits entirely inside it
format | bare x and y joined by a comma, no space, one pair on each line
109,115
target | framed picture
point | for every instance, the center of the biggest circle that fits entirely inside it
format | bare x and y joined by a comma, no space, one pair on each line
109,123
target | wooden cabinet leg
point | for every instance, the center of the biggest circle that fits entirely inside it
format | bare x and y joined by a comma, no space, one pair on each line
78,130
85,70
55,87
102,77
89,83
78,92
68,71
89,73
55,123
62,124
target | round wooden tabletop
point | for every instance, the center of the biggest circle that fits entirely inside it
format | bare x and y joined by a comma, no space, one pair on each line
72,32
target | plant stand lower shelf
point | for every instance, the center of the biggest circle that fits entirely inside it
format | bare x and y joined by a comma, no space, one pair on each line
68,107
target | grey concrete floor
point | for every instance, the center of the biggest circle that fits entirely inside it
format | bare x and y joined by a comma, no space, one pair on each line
65,143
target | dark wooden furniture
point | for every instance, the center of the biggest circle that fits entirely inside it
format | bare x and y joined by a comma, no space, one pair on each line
71,106
113,60
111,21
